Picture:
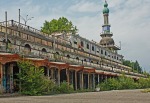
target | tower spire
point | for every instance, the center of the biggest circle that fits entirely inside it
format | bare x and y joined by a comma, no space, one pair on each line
106,35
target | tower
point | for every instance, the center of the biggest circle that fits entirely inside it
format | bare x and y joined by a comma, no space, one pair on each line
106,35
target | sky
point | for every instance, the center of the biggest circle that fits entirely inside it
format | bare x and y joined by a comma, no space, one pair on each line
129,19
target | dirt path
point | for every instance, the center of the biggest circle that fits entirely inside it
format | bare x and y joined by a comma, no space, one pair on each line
124,96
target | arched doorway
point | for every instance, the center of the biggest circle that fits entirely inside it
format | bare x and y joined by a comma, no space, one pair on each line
27,48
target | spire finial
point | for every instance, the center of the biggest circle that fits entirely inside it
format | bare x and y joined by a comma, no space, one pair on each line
105,10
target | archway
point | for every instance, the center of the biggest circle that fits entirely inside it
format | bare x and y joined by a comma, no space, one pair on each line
44,50
27,48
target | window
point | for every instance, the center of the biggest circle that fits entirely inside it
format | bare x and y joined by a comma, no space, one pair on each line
101,51
92,48
82,44
117,58
75,42
105,53
87,46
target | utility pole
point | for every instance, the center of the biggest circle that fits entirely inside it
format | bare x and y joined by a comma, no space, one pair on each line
6,41
19,27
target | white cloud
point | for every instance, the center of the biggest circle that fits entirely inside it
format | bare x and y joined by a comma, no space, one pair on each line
84,6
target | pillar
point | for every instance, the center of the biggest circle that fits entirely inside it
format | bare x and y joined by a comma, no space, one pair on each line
98,79
58,77
20,82
105,77
1,75
102,78
68,77
93,81
48,72
52,73
75,80
81,80
11,78
88,81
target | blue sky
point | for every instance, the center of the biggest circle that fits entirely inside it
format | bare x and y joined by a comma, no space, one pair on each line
129,19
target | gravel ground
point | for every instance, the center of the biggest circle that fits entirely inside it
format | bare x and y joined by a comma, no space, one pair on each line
123,96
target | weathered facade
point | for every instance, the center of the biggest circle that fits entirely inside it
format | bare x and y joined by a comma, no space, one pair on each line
72,58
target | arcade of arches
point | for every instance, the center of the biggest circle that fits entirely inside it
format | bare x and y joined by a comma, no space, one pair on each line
79,76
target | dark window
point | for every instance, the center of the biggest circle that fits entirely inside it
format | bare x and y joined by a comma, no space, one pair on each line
105,53
82,44
92,48
117,58
101,51
75,42
87,46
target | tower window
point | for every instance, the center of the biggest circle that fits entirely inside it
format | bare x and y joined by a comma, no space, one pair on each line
92,48
82,44
87,46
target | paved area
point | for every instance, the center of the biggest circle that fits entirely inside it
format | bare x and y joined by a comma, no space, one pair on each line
124,96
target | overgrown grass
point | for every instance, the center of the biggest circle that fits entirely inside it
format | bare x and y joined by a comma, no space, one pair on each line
146,90
124,83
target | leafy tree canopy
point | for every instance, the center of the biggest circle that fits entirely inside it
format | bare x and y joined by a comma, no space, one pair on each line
134,65
62,25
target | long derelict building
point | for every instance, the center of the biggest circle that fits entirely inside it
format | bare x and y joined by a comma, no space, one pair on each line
64,57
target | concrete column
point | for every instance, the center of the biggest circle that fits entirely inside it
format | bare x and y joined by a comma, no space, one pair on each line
88,81
106,78
1,75
75,80
20,82
102,78
48,72
11,78
52,73
68,78
72,77
98,79
58,76
81,80
93,81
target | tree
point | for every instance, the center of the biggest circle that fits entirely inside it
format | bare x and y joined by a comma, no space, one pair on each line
32,79
62,25
134,65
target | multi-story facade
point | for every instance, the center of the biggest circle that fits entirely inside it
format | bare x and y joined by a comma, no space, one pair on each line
68,57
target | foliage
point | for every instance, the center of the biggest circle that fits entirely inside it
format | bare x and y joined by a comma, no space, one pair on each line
63,88
32,79
134,65
144,83
62,25
146,90
119,84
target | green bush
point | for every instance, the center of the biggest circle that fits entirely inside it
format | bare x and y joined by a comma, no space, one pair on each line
118,84
144,83
64,88
32,79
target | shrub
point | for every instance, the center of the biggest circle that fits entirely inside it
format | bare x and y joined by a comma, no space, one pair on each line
118,84
32,79
65,88
144,83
